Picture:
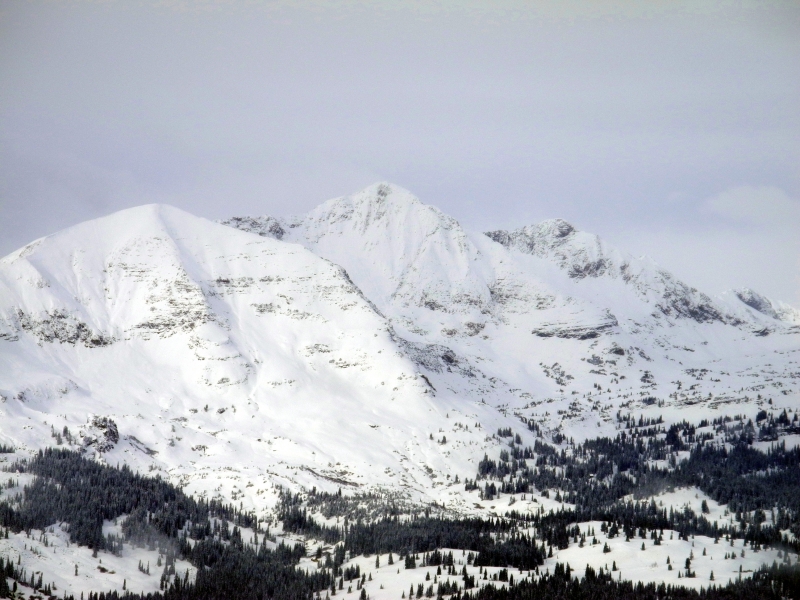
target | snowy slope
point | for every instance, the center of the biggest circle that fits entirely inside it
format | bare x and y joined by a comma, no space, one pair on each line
586,256
371,343
547,312
343,347
762,306
227,361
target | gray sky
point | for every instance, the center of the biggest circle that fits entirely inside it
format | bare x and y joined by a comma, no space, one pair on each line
671,129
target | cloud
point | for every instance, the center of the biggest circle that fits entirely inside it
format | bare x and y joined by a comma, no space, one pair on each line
763,205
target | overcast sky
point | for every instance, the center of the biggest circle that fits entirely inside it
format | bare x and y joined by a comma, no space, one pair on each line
671,129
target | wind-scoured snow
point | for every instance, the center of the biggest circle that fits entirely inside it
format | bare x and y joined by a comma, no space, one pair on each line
546,312
336,348
371,343
227,361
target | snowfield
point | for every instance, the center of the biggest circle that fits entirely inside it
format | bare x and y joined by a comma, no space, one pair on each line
632,563
372,344
73,569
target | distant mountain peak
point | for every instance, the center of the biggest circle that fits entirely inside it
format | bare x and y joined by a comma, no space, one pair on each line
381,193
767,307
361,210
381,204
586,256
265,226
757,302
556,228
542,238
582,254
395,247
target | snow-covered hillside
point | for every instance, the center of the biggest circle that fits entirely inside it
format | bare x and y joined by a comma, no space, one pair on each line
341,347
371,344
224,360
547,313
338,347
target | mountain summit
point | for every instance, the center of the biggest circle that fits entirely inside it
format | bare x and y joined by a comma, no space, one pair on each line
586,256
371,343
399,250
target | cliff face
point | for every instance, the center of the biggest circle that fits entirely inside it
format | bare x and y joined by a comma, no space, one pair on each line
340,347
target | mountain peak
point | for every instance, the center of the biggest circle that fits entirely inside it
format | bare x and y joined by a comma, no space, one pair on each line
585,256
555,228
549,237
769,308
756,301
379,193
396,248
122,224
385,189
362,208
380,204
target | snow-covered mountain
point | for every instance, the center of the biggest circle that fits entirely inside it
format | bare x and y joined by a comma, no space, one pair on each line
583,255
779,311
225,359
372,342
545,310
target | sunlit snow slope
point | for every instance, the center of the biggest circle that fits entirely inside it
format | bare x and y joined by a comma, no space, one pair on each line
565,328
371,342
227,360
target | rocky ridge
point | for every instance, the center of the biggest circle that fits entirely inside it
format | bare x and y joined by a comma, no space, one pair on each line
342,346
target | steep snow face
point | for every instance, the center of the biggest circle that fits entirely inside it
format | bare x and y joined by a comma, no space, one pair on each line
226,360
372,342
401,251
763,305
583,256
541,314
757,302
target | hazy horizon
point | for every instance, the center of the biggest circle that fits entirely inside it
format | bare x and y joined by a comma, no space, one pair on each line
671,130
